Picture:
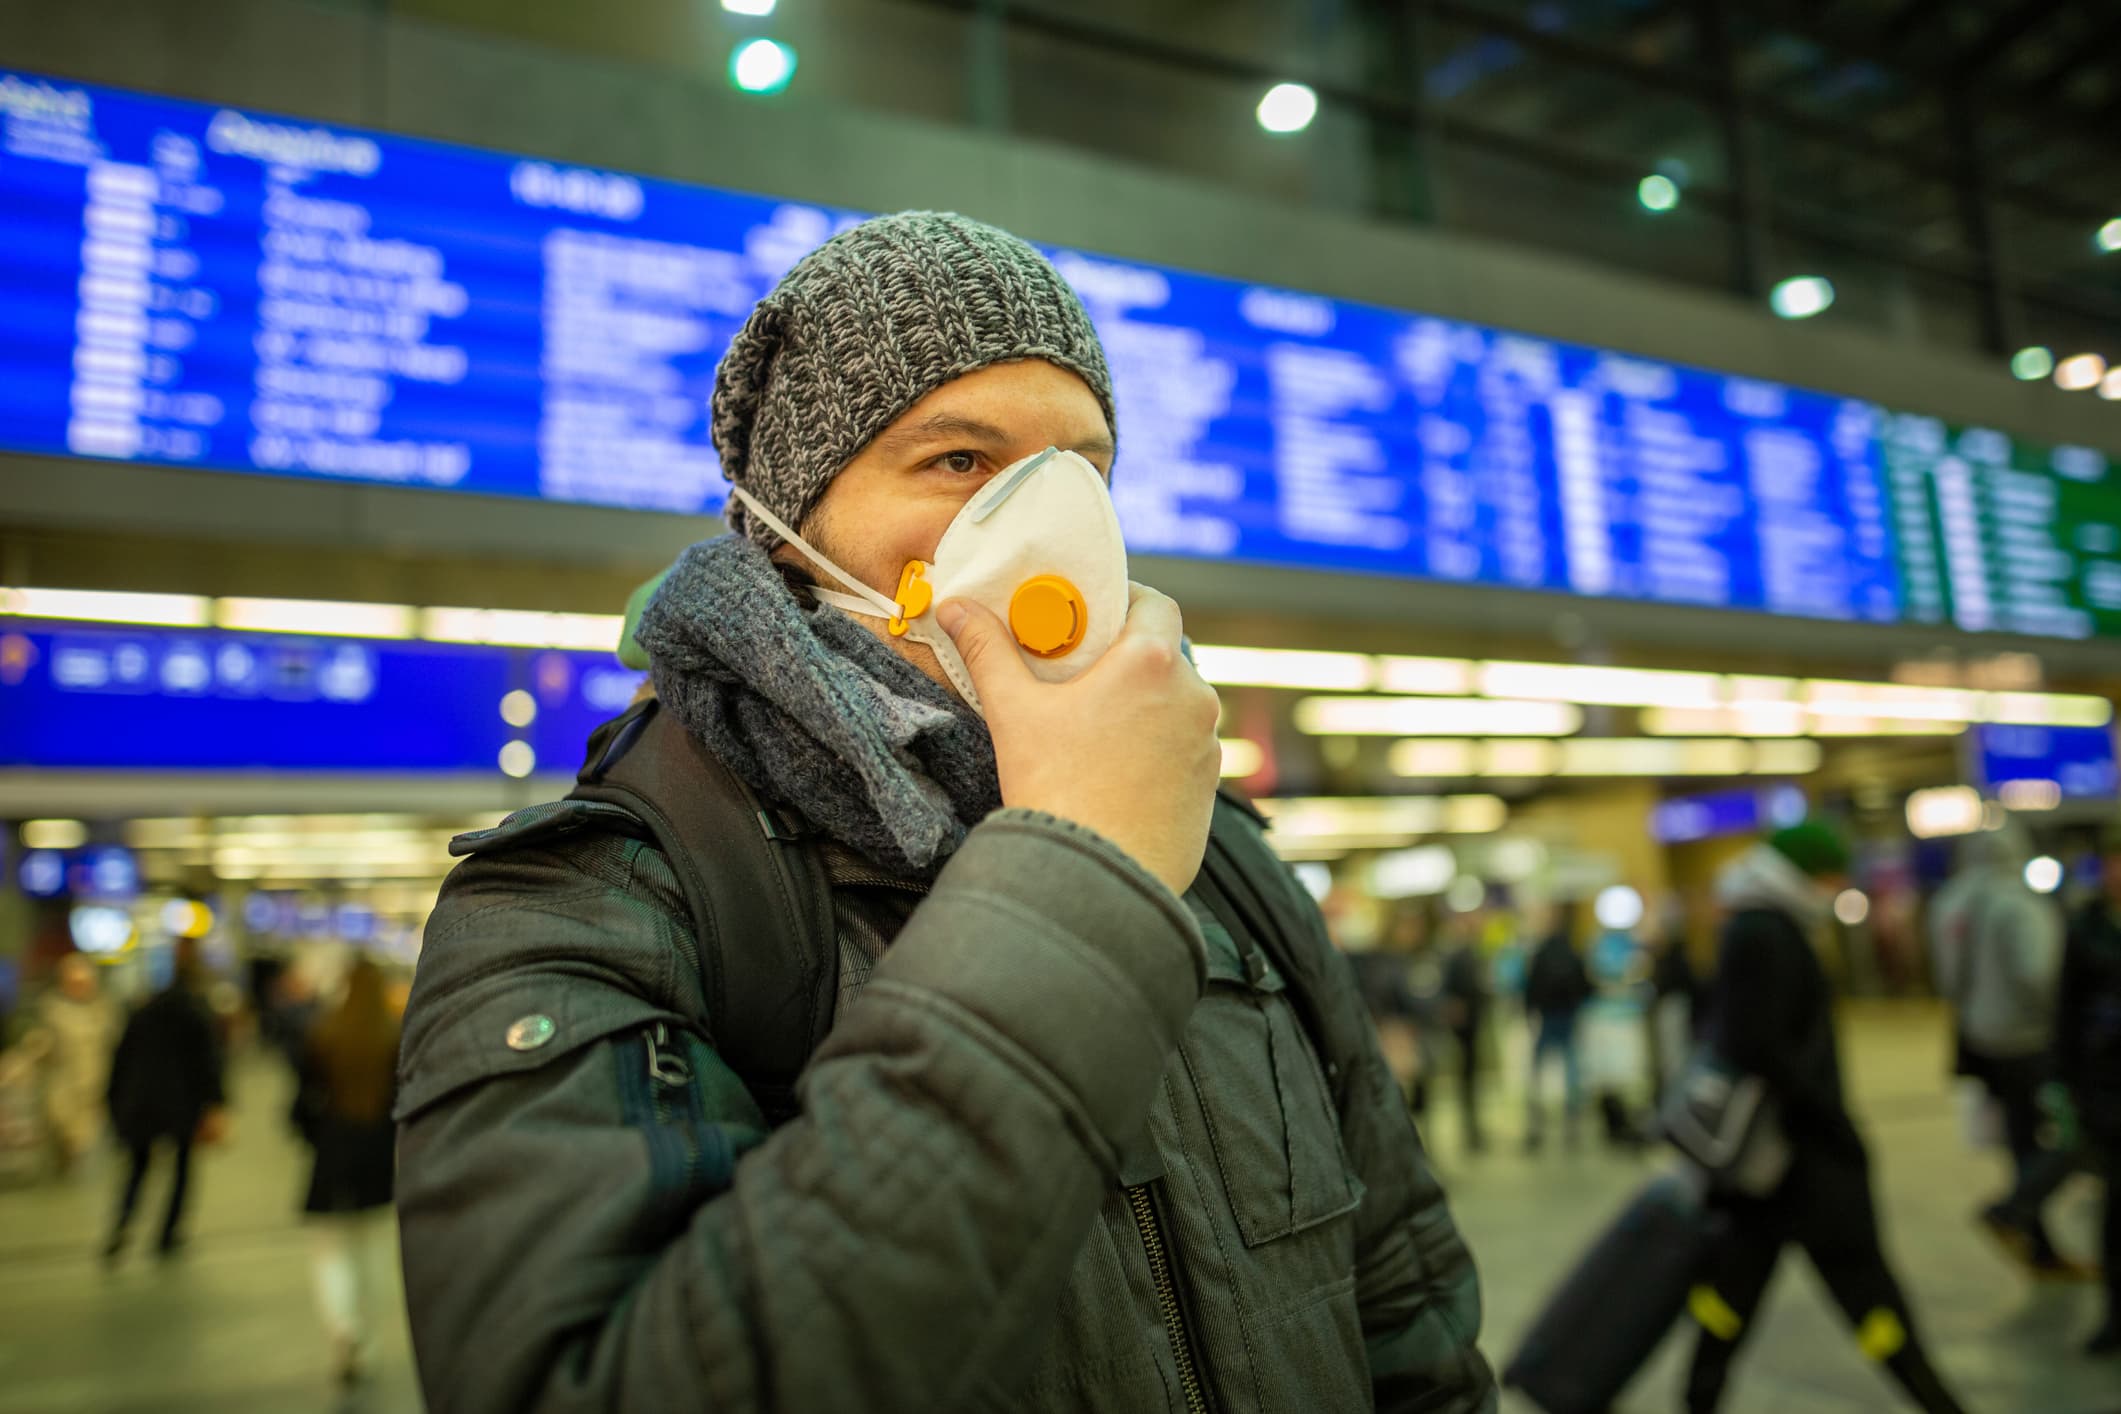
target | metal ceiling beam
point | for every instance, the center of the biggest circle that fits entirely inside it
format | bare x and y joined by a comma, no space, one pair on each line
2005,33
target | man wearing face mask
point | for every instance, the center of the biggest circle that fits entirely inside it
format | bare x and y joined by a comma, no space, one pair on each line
1095,1121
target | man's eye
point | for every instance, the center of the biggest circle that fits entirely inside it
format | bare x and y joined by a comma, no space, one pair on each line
962,463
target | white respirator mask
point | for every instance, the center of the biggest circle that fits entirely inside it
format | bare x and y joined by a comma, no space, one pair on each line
1039,545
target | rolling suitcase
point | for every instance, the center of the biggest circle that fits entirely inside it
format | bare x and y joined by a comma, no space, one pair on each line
1611,1311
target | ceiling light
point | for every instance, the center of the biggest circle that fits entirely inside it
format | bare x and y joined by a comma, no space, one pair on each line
1801,296
1242,757
1288,108
750,9
1520,760
1786,758
519,708
522,628
2080,371
2044,874
1284,667
320,616
1413,873
2108,236
1944,810
53,834
1430,759
761,66
2046,709
1617,687
2032,363
1746,719
1441,677
2110,385
1618,908
1852,906
1657,192
1434,716
518,759
1465,894
1648,756
102,606
2030,794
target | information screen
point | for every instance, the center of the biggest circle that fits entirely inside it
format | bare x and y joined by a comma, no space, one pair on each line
2078,760
83,697
1999,534
192,285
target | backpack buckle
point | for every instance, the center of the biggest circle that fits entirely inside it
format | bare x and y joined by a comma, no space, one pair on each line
779,825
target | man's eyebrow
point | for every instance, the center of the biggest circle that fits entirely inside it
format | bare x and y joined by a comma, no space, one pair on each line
1097,444
942,425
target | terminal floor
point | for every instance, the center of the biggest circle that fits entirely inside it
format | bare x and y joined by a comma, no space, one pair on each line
229,1326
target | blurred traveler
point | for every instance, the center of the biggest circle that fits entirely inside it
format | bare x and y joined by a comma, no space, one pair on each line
1100,1104
1556,986
166,1086
2088,1052
1465,1011
82,1024
348,1080
1996,949
1770,1016
1403,1017
289,1012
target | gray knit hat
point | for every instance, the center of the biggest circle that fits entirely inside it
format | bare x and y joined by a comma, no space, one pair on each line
867,325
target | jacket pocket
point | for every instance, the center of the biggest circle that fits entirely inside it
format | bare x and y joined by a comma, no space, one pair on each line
1269,1116
507,1025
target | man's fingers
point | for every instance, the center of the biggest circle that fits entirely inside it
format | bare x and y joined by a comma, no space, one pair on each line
986,645
1152,615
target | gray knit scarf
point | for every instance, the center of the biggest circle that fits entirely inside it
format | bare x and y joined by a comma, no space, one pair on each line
815,712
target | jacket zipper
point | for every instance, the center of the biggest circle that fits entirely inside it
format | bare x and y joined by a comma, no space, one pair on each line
1160,1274
669,1071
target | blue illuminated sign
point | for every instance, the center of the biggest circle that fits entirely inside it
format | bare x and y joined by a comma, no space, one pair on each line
90,698
202,286
2078,760
1682,819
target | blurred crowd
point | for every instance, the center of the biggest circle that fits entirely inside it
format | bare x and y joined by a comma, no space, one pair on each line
145,1078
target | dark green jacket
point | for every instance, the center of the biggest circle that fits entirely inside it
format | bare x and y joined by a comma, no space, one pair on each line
1054,1074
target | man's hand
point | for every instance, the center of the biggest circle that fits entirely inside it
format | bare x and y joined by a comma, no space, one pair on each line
1127,749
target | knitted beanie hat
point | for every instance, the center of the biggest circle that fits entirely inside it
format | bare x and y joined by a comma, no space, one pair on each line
867,325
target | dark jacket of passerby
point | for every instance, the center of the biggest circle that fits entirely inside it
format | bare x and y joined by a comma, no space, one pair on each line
1770,1015
1770,1009
167,1071
1556,983
2088,1024
348,1079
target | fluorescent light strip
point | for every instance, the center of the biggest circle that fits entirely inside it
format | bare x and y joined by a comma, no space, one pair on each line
1602,756
523,628
106,607
1434,716
1301,669
320,616
1242,757
1601,686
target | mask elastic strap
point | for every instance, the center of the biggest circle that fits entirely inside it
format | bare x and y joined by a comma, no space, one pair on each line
774,523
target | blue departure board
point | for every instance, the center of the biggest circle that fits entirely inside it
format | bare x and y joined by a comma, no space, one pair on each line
90,697
190,285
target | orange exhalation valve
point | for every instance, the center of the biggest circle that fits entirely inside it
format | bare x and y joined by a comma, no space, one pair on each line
915,594
1048,616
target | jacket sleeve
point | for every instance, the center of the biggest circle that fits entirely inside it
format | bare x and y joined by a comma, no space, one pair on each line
578,1236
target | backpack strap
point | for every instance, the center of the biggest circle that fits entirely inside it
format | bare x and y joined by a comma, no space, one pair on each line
760,901
1253,893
